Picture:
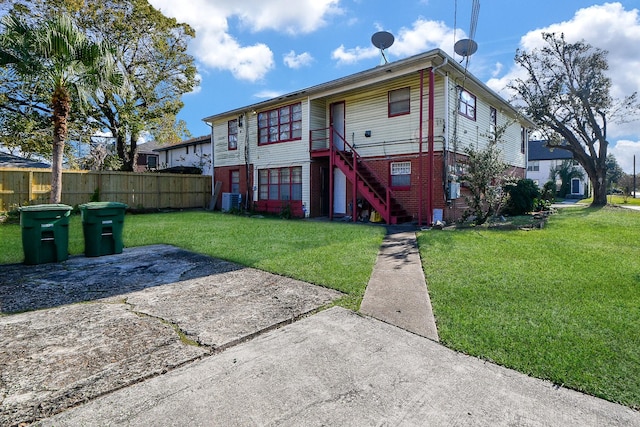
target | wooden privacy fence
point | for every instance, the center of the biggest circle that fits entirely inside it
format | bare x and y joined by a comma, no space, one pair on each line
21,186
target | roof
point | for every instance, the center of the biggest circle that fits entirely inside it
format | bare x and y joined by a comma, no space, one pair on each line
10,161
205,139
436,59
538,150
148,147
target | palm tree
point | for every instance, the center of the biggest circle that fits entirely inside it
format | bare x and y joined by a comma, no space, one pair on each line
66,63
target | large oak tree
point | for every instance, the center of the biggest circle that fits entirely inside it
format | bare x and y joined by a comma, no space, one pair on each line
567,94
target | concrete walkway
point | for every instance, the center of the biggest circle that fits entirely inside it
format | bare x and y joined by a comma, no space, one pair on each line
337,368
397,290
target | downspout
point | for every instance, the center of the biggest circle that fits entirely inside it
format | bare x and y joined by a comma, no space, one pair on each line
248,176
420,149
212,203
430,147
431,139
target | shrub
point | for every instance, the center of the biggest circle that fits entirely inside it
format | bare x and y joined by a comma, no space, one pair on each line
521,197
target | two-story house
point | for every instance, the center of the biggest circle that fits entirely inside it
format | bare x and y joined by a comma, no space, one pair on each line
193,153
542,160
389,139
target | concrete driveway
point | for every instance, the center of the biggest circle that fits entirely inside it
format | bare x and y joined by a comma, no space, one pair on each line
93,351
76,330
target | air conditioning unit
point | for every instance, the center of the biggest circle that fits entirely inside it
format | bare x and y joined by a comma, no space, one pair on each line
230,201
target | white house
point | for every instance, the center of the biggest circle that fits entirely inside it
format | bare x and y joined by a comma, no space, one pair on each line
191,153
388,139
543,159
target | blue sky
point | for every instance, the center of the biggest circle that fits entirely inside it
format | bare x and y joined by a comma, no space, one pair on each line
251,50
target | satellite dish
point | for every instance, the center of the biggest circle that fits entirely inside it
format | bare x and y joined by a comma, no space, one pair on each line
382,40
465,47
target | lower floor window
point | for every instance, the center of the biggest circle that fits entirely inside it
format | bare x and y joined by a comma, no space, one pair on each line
280,183
400,174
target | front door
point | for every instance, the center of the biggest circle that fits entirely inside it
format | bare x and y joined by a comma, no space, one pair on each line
337,118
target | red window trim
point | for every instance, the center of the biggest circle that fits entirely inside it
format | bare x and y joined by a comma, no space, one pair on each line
290,123
398,187
475,105
229,134
403,113
267,184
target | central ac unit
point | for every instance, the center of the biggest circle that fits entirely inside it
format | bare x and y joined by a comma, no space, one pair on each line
230,201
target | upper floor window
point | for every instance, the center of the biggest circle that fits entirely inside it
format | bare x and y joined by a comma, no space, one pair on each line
467,104
232,134
533,166
400,174
280,125
399,102
493,121
523,138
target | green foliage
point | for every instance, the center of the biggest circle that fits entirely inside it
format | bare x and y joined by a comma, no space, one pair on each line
614,171
151,51
485,176
64,64
522,196
566,171
548,191
567,94
558,303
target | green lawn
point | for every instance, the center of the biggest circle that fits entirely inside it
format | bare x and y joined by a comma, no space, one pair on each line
616,200
335,255
561,303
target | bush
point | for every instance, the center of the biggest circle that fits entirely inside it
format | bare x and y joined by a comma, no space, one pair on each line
521,197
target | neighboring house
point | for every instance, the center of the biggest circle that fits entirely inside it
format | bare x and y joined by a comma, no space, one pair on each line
389,139
147,160
188,154
543,159
10,161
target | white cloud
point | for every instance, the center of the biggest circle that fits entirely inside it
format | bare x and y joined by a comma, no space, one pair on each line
609,27
295,61
353,55
424,35
215,47
624,150
498,69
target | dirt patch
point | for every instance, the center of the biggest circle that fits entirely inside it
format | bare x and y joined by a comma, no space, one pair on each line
104,323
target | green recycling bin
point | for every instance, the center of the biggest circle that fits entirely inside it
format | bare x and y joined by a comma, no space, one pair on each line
45,233
102,224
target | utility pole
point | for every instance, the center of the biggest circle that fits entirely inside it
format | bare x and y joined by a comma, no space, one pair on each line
634,176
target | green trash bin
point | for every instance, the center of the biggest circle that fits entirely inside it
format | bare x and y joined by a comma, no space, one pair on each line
45,233
102,224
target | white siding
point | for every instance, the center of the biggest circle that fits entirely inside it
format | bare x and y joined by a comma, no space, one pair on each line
477,133
198,155
367,110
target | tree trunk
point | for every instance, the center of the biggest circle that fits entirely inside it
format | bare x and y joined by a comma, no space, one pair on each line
61,103
599,185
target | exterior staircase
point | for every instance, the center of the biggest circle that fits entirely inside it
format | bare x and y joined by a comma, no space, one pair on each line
368,185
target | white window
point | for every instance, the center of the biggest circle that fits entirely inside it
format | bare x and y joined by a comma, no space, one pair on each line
533,166
400,174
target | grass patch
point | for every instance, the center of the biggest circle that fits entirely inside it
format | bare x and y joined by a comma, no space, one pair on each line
560,303
335,255
616,199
